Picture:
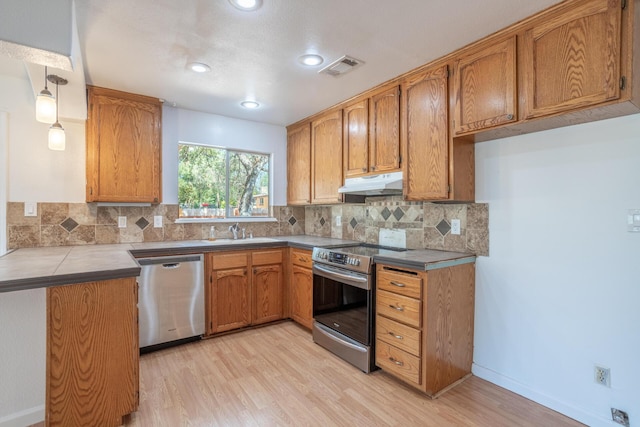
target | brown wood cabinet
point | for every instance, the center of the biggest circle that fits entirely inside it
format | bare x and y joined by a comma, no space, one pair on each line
326,158
372,134
245,288
123,135
301,287
485,87
268,284
425,135
92,353
572,59
424,325
230,294
299,165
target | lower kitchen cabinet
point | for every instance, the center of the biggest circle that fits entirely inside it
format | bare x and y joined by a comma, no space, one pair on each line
92,353
245,288
424,325
301,287
267,285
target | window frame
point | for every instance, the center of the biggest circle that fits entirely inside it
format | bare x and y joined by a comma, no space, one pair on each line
228,150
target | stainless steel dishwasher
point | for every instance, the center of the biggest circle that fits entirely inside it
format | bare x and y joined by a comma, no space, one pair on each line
171,300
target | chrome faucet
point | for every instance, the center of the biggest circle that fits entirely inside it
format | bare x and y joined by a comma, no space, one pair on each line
234,229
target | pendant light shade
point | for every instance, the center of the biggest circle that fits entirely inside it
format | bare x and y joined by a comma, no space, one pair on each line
57,138
45,104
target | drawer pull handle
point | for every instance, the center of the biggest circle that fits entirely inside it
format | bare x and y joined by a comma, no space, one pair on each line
400,285
399,337
397,362
395,307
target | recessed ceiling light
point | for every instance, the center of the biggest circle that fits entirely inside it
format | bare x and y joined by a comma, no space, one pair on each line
250,104
246,5
199,67
311,59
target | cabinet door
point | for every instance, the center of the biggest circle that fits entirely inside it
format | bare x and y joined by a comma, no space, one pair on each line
92,353
572,60
425,135
123,147
326,158
299,165
356,138
485,82
267,289
301,296
384,131
231,302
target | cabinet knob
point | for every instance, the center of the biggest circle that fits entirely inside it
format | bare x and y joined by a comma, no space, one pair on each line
509,116
364,169
373,168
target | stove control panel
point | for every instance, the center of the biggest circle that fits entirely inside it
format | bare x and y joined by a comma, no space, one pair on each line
348,261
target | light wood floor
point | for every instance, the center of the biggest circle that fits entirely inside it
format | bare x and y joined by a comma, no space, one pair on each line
276,375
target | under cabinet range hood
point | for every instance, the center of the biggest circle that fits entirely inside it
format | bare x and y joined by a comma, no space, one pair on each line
373,185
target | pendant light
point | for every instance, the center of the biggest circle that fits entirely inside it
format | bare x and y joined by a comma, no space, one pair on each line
45,104
56,131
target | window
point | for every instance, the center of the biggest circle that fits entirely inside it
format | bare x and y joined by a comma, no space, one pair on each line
221,183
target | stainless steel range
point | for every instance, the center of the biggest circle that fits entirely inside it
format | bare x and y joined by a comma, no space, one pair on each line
344,302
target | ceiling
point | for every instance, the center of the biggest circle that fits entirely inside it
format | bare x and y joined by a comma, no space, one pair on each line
144,47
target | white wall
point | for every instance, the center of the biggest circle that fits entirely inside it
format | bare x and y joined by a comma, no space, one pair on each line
560,290
36,173
23,357
4,143
180,125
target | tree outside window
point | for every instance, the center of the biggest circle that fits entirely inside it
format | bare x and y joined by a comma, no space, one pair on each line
220,183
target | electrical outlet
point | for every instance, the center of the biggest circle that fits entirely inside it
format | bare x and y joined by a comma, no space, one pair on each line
620,417
30,209
122,222
602,375
157,221
338,220
455,226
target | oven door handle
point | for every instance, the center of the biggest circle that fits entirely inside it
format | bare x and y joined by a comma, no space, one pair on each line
358,281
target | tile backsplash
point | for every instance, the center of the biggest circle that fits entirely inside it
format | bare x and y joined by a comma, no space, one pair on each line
60,224
427,225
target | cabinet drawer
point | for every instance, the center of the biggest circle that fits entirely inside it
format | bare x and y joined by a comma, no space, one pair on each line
231,260
403,309
400,283
402,336
398,362
266,257
301,257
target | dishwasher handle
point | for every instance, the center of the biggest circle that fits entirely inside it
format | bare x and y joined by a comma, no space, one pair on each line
171,265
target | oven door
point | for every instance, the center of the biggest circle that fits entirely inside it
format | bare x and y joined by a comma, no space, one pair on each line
343,301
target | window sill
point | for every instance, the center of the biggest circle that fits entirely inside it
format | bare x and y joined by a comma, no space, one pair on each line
225,220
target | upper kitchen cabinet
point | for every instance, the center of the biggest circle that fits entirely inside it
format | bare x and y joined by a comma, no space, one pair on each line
326,158
485,87
299,165
372,134
572,58
425,124
123,147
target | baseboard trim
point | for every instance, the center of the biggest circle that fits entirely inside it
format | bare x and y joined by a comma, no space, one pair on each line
24,418
543,399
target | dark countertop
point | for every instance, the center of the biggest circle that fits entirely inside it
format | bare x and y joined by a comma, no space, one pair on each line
33,268
425,259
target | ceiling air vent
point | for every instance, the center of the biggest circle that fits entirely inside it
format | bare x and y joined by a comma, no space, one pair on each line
341,66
